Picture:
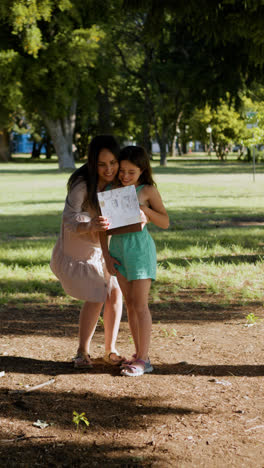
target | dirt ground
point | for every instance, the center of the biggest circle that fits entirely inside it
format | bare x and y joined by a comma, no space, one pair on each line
202,406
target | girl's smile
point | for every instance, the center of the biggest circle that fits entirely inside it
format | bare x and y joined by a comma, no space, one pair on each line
129,173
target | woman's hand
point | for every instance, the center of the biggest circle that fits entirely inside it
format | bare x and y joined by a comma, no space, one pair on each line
144,218
110,265
99,223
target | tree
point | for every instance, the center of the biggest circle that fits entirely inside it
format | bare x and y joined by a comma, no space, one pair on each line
58,42
157,94
52,80
228,126
185,64
10,97
222,40
253,109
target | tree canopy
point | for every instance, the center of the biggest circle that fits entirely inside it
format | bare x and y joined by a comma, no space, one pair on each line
58,43
127,67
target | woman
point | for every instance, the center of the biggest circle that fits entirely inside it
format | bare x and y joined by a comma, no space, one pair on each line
77,258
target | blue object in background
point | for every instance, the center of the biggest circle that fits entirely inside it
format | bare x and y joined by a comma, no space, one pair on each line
23,144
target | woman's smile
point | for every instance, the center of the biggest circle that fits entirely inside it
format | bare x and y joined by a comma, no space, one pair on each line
107,166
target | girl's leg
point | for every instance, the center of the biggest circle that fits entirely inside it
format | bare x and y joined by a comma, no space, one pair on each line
126,288
112,316
140,293
89,314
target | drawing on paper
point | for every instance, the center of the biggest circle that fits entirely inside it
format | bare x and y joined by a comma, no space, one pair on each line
120,206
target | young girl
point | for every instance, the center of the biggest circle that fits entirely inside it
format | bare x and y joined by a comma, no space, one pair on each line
132,256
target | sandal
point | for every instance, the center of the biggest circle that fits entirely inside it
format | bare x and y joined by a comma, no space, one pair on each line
82,361
128,362
113,362
136,370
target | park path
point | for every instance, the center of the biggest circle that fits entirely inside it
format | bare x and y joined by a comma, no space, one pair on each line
201,407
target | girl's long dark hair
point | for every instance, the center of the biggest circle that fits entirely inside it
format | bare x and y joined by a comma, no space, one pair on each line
138,155
88,172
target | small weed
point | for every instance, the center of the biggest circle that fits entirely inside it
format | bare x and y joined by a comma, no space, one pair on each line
164,305
101,321
252,318
130,339
168,333
79,418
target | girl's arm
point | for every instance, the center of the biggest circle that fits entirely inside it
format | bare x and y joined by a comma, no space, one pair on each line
156,213
109,261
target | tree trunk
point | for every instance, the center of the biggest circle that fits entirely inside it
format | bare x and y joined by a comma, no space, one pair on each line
184,147
179,148
145,139
104,111
61,133
5,152
175,141
220,152
163,152
248,156
82,144
147,121
48,147
36,150
162,141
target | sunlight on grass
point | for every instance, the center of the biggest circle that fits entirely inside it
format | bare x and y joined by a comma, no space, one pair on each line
243,281
213,247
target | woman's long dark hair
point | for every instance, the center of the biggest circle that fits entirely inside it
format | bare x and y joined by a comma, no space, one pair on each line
138,155
88,172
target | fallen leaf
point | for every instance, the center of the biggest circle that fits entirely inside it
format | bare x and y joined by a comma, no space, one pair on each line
41,424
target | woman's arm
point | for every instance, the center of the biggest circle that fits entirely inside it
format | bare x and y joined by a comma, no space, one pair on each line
75,218
99,223
156,213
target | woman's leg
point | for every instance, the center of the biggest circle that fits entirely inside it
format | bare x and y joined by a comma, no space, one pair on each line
112,316
89,314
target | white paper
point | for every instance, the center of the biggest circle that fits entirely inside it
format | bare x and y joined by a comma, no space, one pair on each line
120,206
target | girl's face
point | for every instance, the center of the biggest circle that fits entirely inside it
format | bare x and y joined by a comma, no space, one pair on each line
129,173
107,167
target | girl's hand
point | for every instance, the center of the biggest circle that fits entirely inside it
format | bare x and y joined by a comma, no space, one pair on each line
99,223
144,218
110,265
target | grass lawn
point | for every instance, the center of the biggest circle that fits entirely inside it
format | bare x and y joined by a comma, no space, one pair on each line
214,244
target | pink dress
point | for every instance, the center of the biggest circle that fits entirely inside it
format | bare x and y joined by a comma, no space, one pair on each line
77,259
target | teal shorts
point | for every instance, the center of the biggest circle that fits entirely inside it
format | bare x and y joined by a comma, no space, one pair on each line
136,252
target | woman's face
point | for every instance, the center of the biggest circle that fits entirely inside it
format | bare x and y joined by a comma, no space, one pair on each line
107,167
129,173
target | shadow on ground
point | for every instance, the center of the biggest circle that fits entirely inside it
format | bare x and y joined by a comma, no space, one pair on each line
72,455
26,365
107,413
56,321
